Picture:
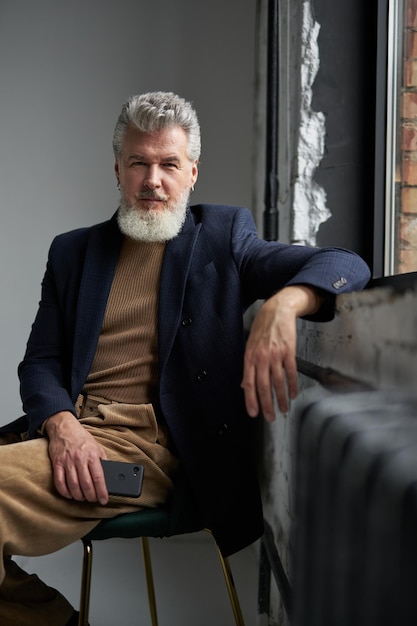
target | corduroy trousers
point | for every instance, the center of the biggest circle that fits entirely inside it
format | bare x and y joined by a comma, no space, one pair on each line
35,520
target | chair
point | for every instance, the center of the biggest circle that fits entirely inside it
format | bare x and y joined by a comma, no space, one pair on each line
179,516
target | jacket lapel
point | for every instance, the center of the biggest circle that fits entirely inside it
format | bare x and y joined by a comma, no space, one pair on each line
175,270
100,262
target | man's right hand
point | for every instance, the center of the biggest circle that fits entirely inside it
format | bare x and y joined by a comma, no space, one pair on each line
75,456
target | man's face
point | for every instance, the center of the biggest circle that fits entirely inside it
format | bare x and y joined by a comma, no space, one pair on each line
154,170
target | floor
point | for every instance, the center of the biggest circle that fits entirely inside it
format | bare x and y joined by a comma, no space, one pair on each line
189,583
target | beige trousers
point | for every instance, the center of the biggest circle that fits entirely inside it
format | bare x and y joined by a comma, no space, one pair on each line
35,520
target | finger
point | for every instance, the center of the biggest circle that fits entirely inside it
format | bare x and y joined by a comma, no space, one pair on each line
73,484
99,483
279,383
265,386
249,387
268,367
285,383
281,394
60,481
91,482
292,377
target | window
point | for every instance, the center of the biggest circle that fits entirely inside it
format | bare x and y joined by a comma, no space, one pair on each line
400,202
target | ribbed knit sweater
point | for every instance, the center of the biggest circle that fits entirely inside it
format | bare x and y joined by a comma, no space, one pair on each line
125,367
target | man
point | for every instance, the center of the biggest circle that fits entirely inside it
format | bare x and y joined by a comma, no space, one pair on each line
138,353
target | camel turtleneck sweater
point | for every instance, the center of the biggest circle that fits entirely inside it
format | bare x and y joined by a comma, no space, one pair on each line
125,367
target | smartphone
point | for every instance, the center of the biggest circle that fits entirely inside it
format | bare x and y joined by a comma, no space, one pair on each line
123,479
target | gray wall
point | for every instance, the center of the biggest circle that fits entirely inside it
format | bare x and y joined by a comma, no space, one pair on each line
65,69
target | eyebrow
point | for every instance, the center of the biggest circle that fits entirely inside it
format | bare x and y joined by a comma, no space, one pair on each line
141,157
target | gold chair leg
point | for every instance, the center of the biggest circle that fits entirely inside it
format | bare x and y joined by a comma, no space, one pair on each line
85,583
149,580
230,584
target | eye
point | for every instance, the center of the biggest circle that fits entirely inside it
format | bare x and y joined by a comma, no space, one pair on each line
171,165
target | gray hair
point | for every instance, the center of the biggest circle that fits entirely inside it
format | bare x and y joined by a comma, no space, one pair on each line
153,111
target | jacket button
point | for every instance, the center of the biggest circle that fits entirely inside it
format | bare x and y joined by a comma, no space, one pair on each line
338,284
201,376
186,322
222,430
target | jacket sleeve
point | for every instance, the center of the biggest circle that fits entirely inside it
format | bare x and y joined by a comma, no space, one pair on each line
266,267
44,371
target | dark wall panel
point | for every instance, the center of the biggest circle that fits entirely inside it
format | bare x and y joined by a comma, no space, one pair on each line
344,90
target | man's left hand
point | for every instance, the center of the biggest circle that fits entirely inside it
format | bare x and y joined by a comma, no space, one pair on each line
270,355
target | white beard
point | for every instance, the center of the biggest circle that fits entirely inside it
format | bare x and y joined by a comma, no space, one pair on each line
152,225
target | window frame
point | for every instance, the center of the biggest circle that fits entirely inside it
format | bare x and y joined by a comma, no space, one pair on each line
389,70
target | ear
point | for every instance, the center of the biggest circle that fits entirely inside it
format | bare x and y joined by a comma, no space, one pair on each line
194,172
116,170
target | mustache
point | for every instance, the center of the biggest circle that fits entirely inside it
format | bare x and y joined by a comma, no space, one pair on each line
150,195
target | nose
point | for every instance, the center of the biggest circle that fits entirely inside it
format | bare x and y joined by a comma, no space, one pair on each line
153,178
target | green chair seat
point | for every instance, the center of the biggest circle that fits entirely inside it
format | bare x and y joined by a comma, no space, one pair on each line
144,523
179,516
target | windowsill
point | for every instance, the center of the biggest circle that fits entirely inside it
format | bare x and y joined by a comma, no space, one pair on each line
400,282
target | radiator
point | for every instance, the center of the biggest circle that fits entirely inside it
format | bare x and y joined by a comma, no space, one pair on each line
355,535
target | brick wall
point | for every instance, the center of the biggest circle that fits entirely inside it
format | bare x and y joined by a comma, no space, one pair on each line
407,171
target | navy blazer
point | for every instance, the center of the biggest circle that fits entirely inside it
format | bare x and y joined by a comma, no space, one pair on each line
212,271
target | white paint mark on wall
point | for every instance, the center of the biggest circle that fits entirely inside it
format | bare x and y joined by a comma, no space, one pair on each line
310,208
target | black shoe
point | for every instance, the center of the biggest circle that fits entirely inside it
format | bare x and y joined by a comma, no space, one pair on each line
73,620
